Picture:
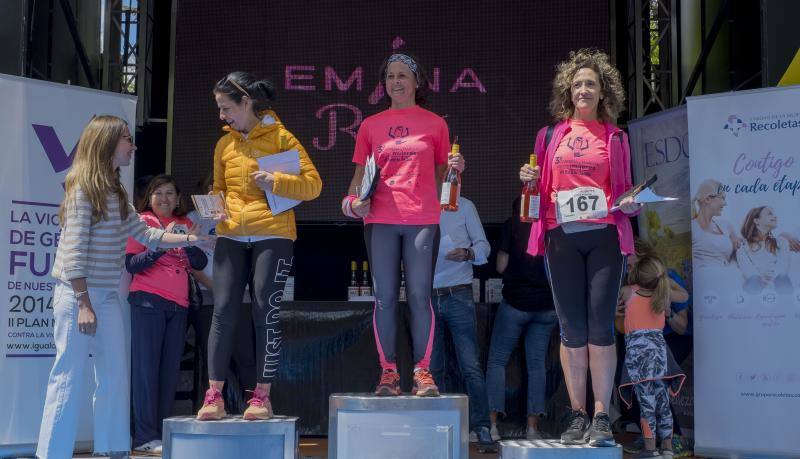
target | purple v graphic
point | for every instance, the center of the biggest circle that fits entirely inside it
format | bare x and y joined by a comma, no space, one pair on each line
53,148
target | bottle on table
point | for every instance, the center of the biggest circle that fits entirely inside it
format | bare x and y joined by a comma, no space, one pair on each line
451,186
365,289
529,203
353,288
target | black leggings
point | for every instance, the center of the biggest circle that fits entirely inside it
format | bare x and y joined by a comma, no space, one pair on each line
268,263
417,245
585,271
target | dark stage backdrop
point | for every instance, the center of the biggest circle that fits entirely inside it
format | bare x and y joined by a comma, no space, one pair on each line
491,66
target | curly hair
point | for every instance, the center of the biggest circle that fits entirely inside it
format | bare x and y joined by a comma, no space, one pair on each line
613,100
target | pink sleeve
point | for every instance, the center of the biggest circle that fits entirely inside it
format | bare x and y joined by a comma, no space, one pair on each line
539,147
363,147
626,148
442,145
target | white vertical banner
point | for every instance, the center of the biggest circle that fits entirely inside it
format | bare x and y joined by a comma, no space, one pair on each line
40,125
660,146
745,174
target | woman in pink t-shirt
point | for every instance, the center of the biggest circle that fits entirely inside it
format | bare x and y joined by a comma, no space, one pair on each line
401,217
159,298
584,169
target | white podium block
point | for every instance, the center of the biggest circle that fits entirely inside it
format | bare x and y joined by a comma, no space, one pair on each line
185,437
553,449
362,426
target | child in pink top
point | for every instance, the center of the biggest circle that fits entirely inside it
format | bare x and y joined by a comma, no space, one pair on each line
649,365
401,217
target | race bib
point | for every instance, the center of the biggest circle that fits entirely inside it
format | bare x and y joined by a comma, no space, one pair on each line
582,203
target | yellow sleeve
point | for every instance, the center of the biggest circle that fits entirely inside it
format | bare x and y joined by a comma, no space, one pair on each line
219,168
305,186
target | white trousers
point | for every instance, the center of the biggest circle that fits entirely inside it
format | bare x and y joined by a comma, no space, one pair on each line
111,406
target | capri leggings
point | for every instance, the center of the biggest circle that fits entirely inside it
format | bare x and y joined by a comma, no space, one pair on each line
268,263
417,245
585,271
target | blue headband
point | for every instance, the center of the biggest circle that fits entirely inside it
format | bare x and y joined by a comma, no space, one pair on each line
405,59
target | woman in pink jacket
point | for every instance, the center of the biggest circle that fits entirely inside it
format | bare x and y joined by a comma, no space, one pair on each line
582,171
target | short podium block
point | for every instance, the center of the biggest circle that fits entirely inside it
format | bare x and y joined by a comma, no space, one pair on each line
185,437
363,426
553,449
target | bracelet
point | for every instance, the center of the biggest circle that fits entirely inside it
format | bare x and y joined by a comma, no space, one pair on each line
78,295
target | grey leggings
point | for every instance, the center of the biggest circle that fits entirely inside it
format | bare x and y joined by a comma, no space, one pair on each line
268,264
417,246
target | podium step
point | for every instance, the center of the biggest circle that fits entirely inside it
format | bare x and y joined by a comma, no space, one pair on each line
186,437
362,426
553,449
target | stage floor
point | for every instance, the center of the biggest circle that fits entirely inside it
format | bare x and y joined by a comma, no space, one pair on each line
317,448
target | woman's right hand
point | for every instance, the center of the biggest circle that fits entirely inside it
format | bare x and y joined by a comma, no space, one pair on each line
87,320
361,208
528,173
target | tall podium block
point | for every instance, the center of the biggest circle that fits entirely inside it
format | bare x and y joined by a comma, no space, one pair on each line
186,437
553,449
363,426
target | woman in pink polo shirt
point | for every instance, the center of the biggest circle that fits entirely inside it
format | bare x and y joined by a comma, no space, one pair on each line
584,169
159,298
401,220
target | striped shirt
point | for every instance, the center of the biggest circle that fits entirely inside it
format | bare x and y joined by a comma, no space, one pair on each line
96,251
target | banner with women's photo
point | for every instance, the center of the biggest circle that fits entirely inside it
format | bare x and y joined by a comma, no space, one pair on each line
745,189
40,125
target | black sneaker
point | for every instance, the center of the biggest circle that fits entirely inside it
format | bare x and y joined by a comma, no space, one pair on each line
600,433
647,454
485,442
577,432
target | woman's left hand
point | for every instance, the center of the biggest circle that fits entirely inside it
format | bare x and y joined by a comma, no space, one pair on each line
457,162
629,205
263,179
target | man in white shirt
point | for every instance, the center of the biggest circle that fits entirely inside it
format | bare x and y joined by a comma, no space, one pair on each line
462,244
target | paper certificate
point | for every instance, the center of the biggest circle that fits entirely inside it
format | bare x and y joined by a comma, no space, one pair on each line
209,206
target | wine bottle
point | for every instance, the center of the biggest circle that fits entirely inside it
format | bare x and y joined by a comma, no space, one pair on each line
529,202
451,187
352,289
365,289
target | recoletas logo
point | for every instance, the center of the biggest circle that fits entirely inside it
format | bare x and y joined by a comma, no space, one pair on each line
735,125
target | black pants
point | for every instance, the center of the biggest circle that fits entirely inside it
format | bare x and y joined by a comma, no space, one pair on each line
268,263
158,334
585,271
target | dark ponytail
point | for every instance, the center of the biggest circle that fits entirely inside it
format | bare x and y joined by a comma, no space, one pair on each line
238,84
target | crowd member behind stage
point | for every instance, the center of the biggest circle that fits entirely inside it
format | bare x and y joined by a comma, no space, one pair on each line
648,363
677,334
254,245
526,310
96,220
401,219
587,160
462,244
159,299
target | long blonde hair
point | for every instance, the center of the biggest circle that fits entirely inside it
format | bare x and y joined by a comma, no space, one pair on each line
93,169
650,273
708,188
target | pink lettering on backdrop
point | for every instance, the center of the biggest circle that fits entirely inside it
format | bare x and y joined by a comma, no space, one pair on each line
290,76
332,77
461,83
333,126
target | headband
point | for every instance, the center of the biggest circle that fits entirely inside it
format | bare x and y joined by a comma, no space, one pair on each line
406,59
239,88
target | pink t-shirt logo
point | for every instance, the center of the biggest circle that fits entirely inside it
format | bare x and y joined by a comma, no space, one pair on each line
577,144
398,131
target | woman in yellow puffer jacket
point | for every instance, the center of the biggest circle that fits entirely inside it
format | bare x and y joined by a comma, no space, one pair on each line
253,244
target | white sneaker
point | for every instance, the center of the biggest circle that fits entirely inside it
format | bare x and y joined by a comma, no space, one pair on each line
153,447
473,437
494,433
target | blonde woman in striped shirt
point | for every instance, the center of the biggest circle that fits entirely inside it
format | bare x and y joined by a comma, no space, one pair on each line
96,221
